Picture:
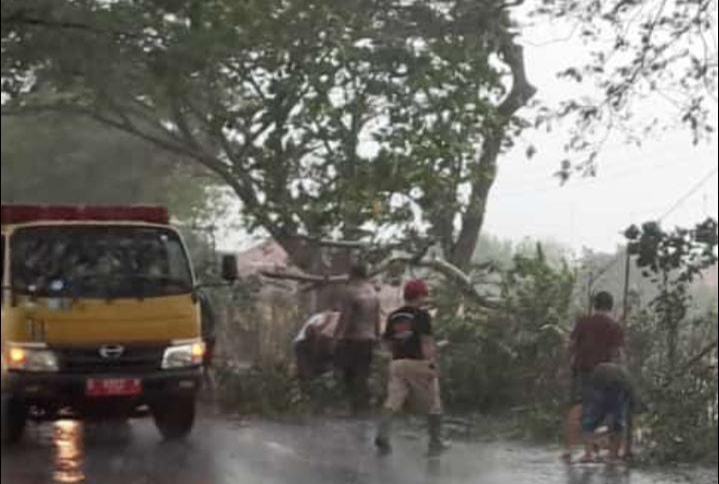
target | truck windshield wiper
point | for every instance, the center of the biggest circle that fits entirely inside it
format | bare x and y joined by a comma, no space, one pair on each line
94,283
163,281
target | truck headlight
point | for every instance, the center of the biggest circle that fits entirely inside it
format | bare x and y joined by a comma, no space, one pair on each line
184,355
32,360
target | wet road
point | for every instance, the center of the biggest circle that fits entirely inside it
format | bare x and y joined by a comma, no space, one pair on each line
226,452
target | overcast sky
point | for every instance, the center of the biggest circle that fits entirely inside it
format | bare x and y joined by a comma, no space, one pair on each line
633,185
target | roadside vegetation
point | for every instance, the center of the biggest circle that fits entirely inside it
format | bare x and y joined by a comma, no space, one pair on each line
508,364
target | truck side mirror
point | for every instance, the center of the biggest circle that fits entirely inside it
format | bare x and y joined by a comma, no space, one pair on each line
230,272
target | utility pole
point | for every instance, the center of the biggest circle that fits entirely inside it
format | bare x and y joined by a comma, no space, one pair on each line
627,283
590,290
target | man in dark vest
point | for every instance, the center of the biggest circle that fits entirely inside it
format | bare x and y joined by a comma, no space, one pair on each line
414,376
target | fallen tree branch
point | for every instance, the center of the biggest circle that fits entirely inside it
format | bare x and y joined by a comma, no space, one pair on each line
450,272
304,278
700,356
695,360
422,245
27,18
340,244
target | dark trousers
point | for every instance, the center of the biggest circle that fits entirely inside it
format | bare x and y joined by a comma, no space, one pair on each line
314,357
354,360
304,358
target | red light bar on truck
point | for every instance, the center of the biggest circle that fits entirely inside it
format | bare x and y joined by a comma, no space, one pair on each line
18,214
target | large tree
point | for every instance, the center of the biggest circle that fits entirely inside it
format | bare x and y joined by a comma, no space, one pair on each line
365,120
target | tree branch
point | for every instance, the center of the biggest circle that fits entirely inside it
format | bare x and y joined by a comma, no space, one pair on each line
485,171
451,273
695,360
21,18
304,278
125,124
700,356
342,244
522,89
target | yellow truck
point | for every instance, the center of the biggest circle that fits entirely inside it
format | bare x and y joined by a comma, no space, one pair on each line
100,318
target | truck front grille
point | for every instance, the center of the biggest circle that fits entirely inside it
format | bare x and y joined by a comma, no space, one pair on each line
91,360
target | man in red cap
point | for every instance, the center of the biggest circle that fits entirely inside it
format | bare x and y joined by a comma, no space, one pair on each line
413,378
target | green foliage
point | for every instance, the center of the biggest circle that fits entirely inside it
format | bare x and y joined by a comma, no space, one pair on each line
683,419
673,260
684,252
267,390
70,160
674,355
680,424
324,117
496,361
515,359
539,294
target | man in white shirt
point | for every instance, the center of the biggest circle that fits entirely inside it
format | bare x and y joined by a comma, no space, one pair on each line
313,345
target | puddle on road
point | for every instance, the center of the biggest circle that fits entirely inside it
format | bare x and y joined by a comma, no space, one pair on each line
68,440
322,453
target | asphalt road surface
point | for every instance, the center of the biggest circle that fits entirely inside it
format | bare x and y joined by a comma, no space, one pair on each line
333,452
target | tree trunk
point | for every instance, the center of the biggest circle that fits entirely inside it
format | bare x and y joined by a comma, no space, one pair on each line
473,220
484,173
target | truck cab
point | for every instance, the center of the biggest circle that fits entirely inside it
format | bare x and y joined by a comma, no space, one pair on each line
100,318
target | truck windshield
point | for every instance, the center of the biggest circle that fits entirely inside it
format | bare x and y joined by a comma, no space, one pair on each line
99,262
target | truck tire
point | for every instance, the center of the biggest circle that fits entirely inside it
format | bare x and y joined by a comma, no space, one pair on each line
175,419
14,420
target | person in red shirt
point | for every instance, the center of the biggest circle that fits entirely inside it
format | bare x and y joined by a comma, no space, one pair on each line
597,339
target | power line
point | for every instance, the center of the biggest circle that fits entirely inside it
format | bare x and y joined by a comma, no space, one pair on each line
690,194
638,168
666,215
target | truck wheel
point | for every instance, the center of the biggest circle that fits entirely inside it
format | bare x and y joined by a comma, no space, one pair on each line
175,420
14,420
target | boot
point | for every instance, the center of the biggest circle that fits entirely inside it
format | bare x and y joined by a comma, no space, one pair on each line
437,446
384,431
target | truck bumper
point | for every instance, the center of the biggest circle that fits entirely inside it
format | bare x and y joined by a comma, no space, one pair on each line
53,396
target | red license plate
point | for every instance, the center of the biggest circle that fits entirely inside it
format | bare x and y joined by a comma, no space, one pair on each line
114,387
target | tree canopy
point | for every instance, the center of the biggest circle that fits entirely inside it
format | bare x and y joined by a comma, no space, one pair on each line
364,120
327,119
654,65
